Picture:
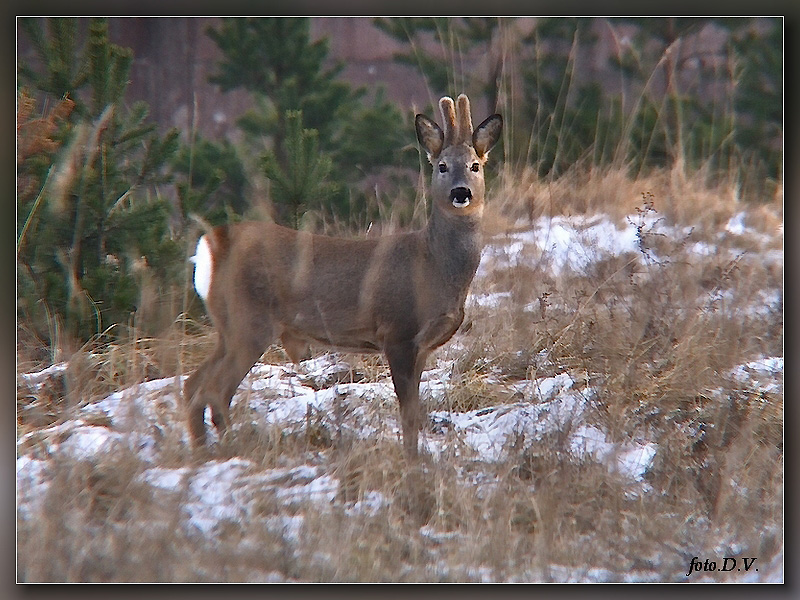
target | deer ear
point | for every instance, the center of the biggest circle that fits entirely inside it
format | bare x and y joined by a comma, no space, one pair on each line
430,136
487,134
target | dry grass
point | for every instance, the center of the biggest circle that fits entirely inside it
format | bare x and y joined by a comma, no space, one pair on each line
656,338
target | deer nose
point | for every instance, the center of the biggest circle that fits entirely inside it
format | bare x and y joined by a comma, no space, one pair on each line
460,196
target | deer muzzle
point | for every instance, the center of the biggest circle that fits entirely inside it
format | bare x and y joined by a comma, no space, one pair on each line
460,197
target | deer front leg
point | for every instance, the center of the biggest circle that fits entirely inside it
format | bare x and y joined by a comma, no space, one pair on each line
406,363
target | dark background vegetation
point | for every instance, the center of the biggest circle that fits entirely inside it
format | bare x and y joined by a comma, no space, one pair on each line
106,183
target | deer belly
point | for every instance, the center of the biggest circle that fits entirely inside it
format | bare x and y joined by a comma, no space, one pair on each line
345,338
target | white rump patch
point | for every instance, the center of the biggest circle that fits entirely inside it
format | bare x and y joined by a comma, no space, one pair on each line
202,267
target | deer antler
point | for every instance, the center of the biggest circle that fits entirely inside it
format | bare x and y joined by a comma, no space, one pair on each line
457,120
448,120
464,135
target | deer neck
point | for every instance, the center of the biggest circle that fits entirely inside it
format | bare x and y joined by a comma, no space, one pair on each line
455,245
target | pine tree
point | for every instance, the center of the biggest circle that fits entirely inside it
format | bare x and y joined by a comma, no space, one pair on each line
306,173
210,181
275,60
759,102
93,229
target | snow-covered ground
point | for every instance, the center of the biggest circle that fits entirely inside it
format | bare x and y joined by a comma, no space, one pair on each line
137,417
293,396
561,242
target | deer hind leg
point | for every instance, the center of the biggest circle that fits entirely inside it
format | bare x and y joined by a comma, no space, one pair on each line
194,395
406,363
215,382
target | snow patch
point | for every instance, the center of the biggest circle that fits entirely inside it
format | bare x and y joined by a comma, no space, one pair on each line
555,406
630,460
88,441
761,374
574,243
39,377
74,438
736,224
32,484
493,300
143,402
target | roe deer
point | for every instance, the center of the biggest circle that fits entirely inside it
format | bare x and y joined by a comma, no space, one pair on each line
400,294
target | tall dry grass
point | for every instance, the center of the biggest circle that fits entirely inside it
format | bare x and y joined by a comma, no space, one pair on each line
652,338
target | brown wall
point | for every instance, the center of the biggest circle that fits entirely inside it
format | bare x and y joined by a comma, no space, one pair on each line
173,58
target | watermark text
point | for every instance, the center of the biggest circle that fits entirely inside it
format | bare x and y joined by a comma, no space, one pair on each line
727,564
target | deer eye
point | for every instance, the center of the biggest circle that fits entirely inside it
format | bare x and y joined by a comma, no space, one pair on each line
475,167
442,168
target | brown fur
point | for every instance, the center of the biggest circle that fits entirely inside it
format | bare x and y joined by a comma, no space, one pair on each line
402,295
